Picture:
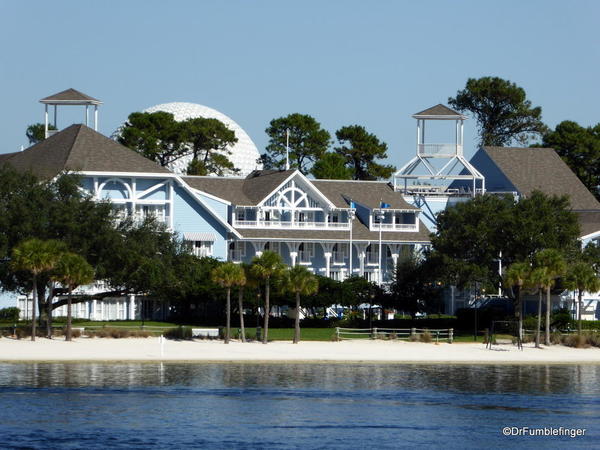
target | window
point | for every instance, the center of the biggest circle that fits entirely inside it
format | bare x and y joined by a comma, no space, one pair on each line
202,248
334,217
306,251
237,250
372,254
147,211
240,214
340,252
272,246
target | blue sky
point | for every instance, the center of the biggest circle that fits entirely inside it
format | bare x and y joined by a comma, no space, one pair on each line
344,62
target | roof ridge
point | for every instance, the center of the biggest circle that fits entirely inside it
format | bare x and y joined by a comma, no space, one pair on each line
79,127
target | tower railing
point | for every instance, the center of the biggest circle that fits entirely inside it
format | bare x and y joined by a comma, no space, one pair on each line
439,149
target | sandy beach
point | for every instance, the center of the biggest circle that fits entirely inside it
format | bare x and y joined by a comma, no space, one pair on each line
95,349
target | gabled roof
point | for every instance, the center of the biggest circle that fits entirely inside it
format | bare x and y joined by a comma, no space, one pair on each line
367,193
4,157
589,222
79,148
439,111
530,169
70,97
260,183
241,191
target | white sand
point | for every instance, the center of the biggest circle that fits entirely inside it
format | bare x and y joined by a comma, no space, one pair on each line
86,349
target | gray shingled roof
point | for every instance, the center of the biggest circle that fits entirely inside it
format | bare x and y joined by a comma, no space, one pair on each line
440,111
70,96
241,191
79,148
589,222
4,157
368,193
530,169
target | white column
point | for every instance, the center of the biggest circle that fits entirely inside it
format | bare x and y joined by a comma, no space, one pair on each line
93,312
361,261
131,315
327,263
294,256
46,123
86,116
95,117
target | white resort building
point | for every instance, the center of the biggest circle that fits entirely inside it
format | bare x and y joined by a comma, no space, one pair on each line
334,228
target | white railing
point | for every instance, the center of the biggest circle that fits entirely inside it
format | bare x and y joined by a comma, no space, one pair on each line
289,224
395,227
439,149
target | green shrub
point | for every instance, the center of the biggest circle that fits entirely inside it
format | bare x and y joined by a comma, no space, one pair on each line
413,338
10,314
576,340
556,338
179,333
561,320
425,337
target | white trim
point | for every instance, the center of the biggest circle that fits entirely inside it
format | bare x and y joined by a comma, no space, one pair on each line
306,180
212,197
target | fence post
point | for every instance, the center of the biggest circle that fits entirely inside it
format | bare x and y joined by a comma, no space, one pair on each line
413,332
437,336
451,335
337,333
374,333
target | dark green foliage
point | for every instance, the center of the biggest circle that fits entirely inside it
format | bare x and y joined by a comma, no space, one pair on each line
501,109
157,136
471,235
361,150
331,166
10,314
35,132
579,147
209,139
308,142
179,333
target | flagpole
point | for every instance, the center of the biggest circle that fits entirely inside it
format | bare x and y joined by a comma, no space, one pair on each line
380,226
287,149
350,219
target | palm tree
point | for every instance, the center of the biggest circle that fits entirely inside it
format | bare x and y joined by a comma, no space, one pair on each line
539,278
300,281
228,275
36,257
517,275
554,263
581,277
72,270
247,280
266,267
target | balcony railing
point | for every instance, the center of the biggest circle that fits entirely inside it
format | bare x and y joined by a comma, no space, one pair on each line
290,224
439,149
395,227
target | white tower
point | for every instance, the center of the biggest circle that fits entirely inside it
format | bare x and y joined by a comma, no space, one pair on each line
70,97
439,169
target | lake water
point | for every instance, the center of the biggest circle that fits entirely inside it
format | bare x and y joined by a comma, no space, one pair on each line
294,405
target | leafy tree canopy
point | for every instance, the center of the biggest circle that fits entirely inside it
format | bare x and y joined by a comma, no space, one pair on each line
157,136
307,142
209,139
471,235
361,149
331,166
579,147
35,132
501,109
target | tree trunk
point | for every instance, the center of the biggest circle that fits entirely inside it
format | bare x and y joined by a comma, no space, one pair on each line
266,326
33,307
579,296
548,309
68,334
228,312
241,308
538,331
41,294
297,320
520,307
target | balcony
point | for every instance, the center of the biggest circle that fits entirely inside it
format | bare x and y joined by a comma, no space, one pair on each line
395,227
279,224
441,150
